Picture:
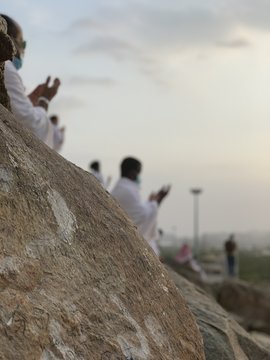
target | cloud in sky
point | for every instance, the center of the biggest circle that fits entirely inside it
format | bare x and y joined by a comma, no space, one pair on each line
117,48
151,34
165,26
92,81
130,28
234,44
251,13
68,102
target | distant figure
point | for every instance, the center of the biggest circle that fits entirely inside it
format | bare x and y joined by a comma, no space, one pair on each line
230,249
58,133
142,213
185,257
30,110
184,254
95,169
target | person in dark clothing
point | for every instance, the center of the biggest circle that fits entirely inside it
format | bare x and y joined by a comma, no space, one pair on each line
230,249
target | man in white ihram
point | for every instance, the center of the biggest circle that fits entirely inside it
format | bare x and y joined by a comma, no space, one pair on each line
94,168
30,110
142,213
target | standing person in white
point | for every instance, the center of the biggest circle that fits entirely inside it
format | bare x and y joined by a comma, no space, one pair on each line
58,133
95,169
142,213
30,110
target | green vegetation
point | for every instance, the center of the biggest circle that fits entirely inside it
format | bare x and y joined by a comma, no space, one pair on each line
254,267
169,252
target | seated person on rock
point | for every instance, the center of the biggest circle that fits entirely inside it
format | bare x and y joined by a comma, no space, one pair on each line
142,213
30,110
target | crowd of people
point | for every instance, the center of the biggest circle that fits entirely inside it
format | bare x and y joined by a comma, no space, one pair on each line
32,110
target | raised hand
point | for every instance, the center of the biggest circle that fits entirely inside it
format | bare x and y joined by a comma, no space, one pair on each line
49,91
37,92
161,194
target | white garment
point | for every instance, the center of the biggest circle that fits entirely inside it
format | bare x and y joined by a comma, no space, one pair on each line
58,138
98,176
34,118
142,213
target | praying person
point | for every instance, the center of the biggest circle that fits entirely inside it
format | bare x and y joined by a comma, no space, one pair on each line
30,110
95,169
142,213
58,133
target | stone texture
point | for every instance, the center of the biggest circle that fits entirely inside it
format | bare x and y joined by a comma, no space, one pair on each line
250,304
188,273
6,52
262,339
76,280
223,337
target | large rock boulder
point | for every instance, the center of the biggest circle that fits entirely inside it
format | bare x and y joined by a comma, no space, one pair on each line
249,303
76,279
223,337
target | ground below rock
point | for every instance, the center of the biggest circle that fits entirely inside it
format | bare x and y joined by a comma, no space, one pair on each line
250,304
223,337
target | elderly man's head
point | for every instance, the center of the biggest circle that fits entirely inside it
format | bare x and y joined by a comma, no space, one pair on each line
15,32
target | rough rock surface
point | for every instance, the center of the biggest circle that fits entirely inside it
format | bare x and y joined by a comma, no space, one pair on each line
76,280
262,339
189,274
249,303
6,53
223,337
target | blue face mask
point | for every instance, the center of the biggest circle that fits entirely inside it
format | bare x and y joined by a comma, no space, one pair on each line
17,62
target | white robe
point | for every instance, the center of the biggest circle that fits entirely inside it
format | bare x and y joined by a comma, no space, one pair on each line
34,118
58,138
98,176
142,213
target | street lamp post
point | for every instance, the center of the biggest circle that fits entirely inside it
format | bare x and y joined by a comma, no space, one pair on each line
196,192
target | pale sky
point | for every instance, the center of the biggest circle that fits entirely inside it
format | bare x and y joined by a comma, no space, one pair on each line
181,85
